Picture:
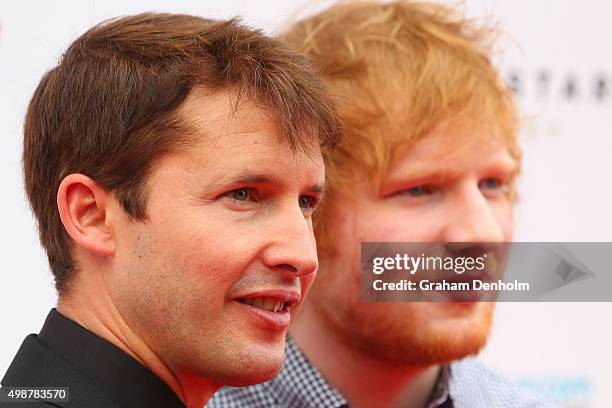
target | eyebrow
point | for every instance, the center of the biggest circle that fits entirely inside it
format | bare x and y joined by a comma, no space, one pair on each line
267,179
441,174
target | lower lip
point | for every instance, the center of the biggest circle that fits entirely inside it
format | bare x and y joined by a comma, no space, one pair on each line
468,296
465,296
270,320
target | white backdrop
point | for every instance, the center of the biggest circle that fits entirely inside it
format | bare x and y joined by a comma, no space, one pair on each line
560,62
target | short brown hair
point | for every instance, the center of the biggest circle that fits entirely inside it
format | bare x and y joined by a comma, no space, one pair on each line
109,108
397,70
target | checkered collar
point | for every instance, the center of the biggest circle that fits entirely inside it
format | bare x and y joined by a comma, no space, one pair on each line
301,384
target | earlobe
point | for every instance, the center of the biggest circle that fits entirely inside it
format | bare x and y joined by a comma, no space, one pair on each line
83,209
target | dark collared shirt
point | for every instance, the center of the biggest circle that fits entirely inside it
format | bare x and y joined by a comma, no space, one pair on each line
117,376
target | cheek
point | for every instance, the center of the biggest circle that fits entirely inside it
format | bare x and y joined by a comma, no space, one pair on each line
337,287
504,214
396,224
213,264
306,283
197,264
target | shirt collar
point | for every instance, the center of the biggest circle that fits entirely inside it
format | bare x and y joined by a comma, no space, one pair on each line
123,379
440,397
300,381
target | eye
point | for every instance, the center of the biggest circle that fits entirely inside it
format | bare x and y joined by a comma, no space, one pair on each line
241,194
417,191
490,183
307,202
493,185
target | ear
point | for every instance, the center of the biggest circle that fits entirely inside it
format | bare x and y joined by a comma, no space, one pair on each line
83,209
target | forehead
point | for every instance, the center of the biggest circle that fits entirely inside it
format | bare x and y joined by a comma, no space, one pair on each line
213,113
452,148
231,135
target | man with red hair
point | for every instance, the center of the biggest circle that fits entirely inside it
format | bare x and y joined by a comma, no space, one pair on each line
429,154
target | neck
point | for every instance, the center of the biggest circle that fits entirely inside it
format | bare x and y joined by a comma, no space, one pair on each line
95,311
362,379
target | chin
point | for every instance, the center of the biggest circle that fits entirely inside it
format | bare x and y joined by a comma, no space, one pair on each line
433,347
254,363
254,375
454,337
422,334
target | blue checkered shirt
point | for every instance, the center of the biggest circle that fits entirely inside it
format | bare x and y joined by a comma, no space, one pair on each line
465,384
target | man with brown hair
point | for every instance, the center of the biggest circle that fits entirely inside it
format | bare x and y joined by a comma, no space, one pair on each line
429,154
173,164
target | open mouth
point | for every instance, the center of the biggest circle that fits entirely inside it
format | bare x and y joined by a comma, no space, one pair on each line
267,303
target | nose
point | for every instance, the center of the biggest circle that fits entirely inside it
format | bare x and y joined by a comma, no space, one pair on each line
472,218
291,246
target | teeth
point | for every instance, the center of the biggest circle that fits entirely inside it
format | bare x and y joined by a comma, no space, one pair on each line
279,306
268,304
492,265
